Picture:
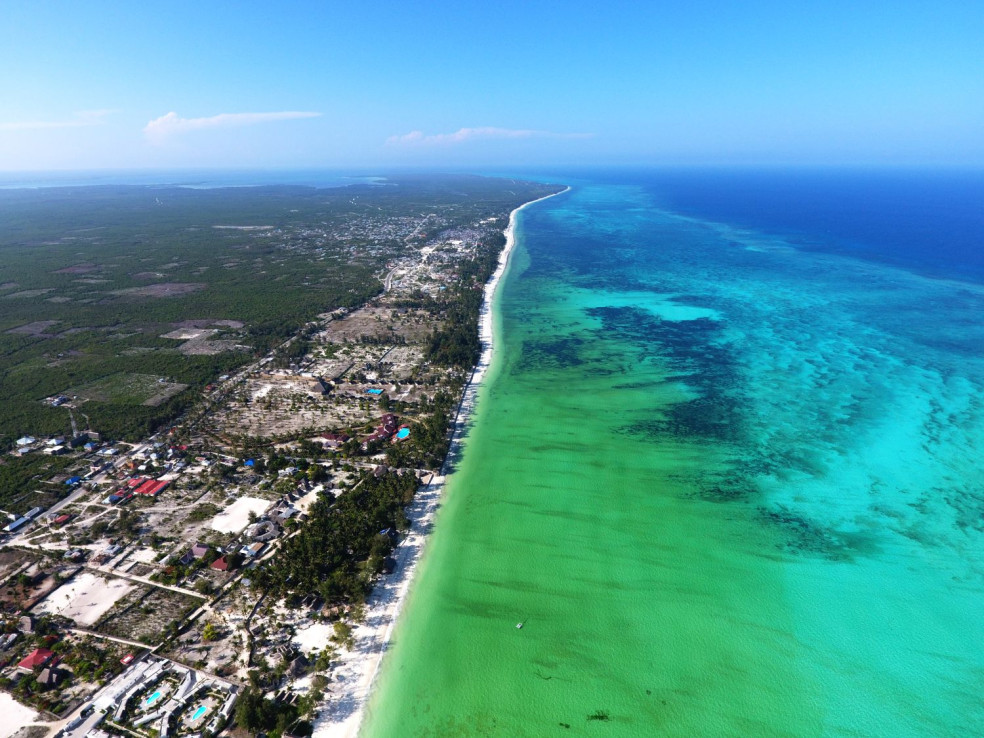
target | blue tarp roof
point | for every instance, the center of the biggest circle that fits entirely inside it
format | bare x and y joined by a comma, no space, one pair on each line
250,462
73,480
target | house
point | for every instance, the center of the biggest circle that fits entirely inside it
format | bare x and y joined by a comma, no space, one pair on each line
49,676
150,487
282,513
19,523
253,549
198,551
333,440
384,431
8,640
223,563
265,530
35,660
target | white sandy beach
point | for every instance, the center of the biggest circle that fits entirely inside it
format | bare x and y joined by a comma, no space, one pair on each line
343,709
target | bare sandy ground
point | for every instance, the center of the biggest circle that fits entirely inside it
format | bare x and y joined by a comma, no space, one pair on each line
341,714
313,637
85,598
14,715
235,518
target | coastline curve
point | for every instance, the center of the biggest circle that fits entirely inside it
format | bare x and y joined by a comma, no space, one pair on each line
344,707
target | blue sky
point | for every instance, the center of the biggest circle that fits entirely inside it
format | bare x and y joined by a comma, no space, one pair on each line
374,84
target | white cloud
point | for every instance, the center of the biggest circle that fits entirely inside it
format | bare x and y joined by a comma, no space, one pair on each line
417,138
160,129
78,120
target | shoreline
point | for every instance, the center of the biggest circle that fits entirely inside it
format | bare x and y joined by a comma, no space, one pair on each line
353,679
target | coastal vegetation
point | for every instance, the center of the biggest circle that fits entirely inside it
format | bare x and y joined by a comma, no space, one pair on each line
342,546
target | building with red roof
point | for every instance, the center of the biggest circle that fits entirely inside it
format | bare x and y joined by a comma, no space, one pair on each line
150,488
222,564
38,658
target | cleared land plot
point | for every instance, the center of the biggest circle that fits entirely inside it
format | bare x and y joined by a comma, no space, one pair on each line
15,715
235,518
189,334
281,410
23,294
197,341
164,289
145,618
129,389
85,598
209,348
313,638
78,269
33,329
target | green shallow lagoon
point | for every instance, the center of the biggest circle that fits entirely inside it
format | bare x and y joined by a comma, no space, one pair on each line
658,483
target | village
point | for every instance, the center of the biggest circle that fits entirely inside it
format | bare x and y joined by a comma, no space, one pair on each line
130,606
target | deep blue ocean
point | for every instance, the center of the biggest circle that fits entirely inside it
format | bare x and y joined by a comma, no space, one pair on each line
931,221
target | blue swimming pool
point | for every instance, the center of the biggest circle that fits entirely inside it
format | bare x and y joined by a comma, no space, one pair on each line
152,699
403,433
198,713
374,392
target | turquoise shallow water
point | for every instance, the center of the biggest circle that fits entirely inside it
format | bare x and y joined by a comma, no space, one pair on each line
731,487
